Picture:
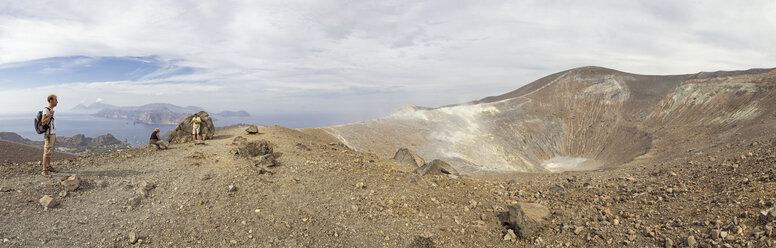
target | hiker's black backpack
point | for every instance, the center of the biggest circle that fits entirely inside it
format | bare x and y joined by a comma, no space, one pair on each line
38,127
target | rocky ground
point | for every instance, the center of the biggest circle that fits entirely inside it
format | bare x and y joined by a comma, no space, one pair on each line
11,152
322,194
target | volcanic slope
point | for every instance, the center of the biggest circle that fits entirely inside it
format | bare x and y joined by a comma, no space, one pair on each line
581,119
324,194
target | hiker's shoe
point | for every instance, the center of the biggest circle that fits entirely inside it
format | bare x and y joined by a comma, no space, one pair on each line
51,169
45,174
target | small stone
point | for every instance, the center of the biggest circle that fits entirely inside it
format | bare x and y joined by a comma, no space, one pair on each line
5,189
715,234
48,202
146,185
132,238
63,193
768,215
669,243
232,188
101,183
690,242
71,183
205,177
239,140
578,230
253,129
133,202
510,235
557,189
528,218
360,186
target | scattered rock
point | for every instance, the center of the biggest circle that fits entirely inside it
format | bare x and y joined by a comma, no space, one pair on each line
528,218
768,215
405,156
71,183
134,202
419,242
253,129
5,189
557,189
146,185
510,235
231,188
715,234
437,167
132,238
255,148
239,140
669,243
48,202
197,155
101,183
267,160
302,146
63,193
690,242
142,192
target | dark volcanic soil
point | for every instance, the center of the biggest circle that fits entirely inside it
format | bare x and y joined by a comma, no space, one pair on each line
19,153
325,195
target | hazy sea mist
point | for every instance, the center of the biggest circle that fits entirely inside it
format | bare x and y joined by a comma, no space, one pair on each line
137,134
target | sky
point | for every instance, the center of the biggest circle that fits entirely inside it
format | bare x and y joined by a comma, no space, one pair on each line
353,60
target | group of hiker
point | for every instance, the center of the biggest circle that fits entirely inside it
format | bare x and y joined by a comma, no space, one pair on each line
45,124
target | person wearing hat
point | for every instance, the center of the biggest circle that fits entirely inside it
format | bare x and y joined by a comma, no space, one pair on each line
156,141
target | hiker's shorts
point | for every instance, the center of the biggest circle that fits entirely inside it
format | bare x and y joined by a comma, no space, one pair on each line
195,130
48,144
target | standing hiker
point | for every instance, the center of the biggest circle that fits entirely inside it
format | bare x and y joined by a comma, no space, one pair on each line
156,141
50,136
195,123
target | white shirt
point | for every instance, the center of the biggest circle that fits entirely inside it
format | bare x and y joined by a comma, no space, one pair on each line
52,123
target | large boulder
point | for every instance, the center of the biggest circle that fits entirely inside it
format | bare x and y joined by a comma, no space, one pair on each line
253,129
182,133
405,156
437,167
528,219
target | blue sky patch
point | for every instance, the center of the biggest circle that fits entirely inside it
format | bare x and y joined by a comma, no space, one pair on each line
73,69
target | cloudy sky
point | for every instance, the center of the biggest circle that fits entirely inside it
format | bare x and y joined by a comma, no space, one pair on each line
353,60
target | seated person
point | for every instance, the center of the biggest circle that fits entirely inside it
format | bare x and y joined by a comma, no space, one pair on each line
155,140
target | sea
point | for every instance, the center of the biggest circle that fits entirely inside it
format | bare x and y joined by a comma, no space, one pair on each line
136,133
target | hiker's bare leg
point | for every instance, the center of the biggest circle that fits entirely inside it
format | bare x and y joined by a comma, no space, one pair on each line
45,162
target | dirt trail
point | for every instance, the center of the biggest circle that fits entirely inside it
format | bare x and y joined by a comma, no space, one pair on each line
325,195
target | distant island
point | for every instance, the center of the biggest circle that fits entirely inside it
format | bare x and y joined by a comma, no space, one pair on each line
155,113
78,144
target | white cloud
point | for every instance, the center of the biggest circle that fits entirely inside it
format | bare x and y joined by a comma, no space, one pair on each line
433,52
